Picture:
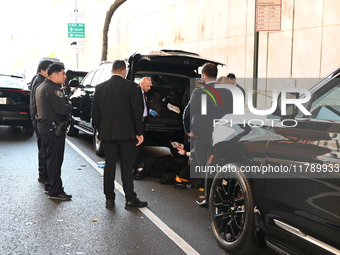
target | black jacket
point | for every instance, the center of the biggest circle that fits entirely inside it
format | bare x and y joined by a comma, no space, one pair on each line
219,102
36,83
116,109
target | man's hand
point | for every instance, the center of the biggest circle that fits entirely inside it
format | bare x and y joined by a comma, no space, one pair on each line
181,151
176,145
140,139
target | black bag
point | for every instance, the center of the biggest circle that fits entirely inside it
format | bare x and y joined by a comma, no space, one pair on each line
167,178
159,164
166,168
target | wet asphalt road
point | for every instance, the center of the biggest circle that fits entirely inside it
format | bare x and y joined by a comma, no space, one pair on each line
31,223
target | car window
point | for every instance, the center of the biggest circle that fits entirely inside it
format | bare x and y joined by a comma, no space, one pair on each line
96,77
88,79
108,74
11,81
326,106
105,75
75,75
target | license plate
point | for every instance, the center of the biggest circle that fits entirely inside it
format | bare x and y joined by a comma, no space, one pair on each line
3,100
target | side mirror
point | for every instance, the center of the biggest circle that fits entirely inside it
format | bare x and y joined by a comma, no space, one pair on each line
73,83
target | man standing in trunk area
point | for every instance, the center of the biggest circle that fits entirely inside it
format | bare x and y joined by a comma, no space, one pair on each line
53,114
39,79
144,86
216,102
117,115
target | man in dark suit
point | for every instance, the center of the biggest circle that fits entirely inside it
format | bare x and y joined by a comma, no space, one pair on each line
144,86
216,103
117,115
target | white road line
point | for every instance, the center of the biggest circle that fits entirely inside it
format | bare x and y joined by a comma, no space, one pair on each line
179,241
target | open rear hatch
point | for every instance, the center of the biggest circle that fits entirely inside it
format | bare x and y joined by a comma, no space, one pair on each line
172,73
173,61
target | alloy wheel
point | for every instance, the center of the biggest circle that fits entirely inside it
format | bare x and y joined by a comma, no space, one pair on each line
229,209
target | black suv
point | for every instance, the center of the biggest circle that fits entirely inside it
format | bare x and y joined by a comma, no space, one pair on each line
172,73
280,183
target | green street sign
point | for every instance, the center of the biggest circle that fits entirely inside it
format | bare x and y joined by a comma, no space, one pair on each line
76,30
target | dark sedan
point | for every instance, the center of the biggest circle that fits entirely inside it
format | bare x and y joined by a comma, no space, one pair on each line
14,103
278,181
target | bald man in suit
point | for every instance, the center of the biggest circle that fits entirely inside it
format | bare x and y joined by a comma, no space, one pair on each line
143,87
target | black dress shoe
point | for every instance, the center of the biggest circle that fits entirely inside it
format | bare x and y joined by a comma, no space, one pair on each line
136,204
202,203
62,196
47,187
110,203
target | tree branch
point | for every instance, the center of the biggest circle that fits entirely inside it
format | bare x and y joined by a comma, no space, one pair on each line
108,18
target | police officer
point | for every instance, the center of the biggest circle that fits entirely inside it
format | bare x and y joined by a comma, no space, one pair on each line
39,79
53,111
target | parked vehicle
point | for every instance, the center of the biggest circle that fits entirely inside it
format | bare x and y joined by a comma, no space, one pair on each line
73,79
281,184
172,74
14,102
75,75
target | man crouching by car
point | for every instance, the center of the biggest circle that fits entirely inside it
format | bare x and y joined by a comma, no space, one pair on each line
53,111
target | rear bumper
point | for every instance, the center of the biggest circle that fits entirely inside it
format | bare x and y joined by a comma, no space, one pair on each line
14,118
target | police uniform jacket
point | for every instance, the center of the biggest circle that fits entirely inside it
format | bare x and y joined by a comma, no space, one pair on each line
51,103
116,109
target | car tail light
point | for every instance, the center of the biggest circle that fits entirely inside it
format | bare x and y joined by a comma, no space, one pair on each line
25,92
22,92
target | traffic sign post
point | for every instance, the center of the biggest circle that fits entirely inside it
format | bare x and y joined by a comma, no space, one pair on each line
76,30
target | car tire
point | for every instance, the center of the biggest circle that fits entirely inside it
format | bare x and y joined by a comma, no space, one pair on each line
97,144
231,207
28,130
71,130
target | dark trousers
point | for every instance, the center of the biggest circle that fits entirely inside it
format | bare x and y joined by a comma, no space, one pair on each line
138,159
54,156
127,150
41,153
202,148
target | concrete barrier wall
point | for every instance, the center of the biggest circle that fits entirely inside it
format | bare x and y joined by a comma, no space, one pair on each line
223,30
